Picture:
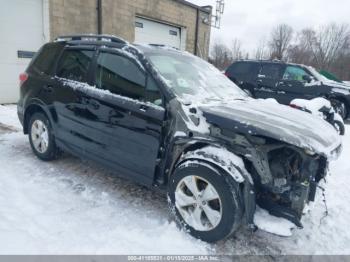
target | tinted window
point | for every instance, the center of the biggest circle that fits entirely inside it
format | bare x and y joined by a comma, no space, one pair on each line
295,73
46,59
271,71
74,64
123,77
241,68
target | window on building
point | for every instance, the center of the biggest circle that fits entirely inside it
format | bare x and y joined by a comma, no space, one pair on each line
121,76
295,73
139,24
74,64
173,32
271,71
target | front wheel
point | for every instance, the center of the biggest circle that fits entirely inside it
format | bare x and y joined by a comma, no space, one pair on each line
206,202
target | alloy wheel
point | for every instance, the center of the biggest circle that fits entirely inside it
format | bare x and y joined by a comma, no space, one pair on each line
199,203
40,136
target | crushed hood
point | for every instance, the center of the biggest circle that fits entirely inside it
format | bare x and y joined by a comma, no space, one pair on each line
269,119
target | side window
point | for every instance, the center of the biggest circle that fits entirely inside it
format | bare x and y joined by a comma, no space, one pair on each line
46,58
295,73
74,64
242,69
121,76
270,71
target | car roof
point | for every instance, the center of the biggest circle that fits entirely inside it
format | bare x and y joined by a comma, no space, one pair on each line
110,41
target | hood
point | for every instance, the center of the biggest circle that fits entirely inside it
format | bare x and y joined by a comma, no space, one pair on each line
334,84
270,119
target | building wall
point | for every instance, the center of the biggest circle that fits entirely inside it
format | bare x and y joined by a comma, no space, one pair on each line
80,16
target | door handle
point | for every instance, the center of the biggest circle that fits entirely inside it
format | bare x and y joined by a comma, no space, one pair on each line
143,108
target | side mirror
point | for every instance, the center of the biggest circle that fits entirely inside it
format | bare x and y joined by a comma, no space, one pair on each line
307,78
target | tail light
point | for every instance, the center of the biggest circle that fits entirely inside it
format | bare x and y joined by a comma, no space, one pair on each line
295,106
22,78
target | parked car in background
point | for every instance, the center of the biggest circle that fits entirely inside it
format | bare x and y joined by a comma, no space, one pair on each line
169,120
286,82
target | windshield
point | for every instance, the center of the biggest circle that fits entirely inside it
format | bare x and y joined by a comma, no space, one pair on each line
191,78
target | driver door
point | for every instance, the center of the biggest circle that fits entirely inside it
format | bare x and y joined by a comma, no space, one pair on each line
295,83
127,116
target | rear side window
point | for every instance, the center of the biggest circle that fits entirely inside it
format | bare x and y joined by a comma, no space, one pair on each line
271,71
243,70
46,59
121,76
74,64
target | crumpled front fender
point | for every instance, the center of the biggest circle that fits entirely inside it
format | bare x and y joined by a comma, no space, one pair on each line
222,158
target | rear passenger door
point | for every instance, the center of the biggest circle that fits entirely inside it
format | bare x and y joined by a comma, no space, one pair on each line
267,80
128,113
70,83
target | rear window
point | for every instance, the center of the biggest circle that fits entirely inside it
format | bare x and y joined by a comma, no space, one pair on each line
74,64
45,61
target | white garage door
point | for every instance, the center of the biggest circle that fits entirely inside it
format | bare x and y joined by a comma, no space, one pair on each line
21,29
151,32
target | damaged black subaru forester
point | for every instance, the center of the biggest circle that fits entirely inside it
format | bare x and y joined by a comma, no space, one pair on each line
170,120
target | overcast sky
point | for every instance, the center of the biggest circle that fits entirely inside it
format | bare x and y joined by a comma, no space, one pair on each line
252,20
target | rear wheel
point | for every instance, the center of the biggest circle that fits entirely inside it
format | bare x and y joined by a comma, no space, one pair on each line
205,202
41,137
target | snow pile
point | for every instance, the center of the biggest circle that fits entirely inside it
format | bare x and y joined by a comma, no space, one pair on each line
272,224
73,207
8,116
313,105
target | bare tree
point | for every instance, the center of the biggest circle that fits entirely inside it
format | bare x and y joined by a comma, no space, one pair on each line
261,51
220,55
236,50
328,44
281,38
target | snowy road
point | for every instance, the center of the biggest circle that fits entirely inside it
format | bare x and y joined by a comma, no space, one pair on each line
75,207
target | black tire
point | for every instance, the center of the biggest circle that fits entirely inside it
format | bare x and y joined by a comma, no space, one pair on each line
227,189
340,108
339,126
52,152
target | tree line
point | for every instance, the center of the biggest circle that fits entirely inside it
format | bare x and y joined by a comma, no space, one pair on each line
325,48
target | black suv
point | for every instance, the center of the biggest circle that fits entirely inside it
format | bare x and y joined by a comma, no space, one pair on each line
285,82
169,120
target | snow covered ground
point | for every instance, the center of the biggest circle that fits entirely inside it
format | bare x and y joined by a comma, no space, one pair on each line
72,206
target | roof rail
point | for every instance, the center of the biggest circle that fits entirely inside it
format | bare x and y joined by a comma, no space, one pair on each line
109,38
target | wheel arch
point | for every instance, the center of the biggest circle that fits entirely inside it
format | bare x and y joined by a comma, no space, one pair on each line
243,178
235,169
29,111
